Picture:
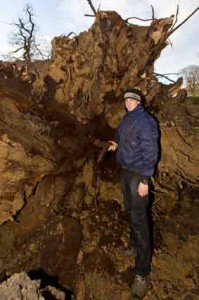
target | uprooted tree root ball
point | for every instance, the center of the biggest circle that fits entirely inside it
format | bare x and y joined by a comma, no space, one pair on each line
61,207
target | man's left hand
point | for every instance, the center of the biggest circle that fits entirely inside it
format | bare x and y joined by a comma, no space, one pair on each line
143,189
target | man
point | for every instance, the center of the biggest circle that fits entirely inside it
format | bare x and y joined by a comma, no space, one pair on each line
136,143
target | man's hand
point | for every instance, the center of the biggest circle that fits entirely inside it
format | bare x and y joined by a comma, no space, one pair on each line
113,146
143,189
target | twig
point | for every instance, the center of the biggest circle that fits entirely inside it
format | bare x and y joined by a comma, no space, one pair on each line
98,7
174,29
86,15
153,13
92,7
161,75
71,33
144,20
170,42
176,17
171,74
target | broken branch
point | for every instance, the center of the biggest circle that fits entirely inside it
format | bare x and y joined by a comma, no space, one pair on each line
174,29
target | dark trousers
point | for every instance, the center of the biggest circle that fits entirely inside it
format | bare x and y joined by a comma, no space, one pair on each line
136,208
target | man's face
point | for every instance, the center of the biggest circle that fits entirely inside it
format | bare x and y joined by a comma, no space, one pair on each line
131,104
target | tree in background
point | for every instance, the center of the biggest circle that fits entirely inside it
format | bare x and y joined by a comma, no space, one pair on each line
191,77
24,39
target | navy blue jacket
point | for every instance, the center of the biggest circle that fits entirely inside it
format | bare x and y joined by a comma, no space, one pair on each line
137,137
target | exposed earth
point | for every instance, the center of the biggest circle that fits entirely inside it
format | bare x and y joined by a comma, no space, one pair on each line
61,209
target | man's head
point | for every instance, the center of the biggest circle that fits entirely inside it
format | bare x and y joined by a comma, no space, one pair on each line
133,98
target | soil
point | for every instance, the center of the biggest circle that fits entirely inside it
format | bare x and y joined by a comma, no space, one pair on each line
61,209
83,254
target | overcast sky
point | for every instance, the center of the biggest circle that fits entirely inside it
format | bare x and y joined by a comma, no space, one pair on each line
56,17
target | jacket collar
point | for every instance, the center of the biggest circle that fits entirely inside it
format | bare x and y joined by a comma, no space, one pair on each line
136,112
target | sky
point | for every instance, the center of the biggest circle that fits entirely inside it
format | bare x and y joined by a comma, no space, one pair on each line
56,17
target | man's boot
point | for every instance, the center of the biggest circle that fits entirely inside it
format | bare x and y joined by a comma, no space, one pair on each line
140,286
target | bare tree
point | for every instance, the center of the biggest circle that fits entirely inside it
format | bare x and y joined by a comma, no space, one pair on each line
191,77
24,37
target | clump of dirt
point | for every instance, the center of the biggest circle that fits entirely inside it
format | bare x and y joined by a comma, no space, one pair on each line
20,286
